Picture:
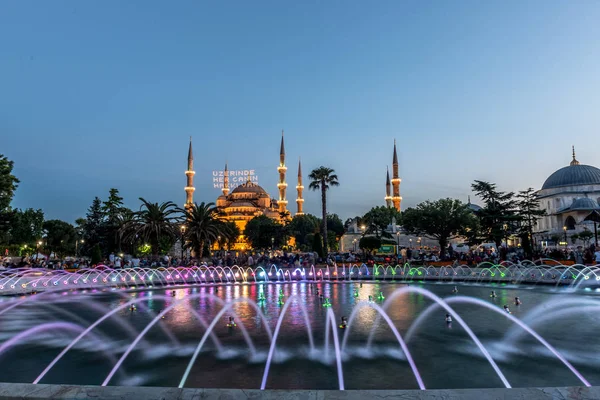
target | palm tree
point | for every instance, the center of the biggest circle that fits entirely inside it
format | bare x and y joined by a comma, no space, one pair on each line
322,178
203,225
152,222
125,222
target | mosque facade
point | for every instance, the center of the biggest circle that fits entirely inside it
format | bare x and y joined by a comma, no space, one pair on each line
570,196
250,200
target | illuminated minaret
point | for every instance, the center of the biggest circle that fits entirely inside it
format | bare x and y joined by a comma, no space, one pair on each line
299,188
388,190
282,202
226,181
189,189
396,199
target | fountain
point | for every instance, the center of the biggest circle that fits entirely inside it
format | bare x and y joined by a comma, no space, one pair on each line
202,321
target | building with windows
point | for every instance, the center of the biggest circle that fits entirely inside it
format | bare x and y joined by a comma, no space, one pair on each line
249,200
569,196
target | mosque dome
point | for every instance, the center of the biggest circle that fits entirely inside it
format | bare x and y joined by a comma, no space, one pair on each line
250,187
573,175
584,203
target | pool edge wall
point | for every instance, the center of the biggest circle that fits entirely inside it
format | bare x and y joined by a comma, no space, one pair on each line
26,391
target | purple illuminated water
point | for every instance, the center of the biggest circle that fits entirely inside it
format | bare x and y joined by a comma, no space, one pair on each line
404,343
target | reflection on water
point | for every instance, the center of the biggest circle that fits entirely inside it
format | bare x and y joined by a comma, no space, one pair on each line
446,358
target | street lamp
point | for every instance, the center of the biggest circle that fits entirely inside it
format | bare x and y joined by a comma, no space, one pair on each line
182,233
565,232
76,246
410,241
506,234
419,242
363,228
354,245
398,243
37,249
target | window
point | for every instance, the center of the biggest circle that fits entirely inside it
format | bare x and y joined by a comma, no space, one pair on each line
570,223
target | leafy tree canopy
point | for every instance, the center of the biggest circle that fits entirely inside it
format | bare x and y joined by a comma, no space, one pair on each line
301,226
378,219
441,219
8,183
335,225
26,226
60,237
499,215
369,243
262,232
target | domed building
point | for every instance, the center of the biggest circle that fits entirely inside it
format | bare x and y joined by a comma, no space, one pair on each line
569,196
246,202
249,200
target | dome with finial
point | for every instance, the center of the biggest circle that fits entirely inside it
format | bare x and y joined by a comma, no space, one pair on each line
249,187
573,174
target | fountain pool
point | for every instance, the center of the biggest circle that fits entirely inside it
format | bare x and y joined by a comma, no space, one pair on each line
285,338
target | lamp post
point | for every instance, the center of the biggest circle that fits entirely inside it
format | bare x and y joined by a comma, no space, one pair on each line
565,232
272,245
397,243
506,235
354,245
182,243
76,246
410,245
419,242
37,249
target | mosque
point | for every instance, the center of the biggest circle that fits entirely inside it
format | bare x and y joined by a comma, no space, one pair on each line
570,196
249,200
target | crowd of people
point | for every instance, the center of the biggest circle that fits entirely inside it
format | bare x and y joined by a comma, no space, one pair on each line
588,255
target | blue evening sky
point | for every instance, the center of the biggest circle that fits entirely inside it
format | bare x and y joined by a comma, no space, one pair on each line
101,94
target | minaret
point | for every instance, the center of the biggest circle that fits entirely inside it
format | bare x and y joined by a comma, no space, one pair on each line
299,188
226,181
189,189
388,193
396,199
282,202
574,161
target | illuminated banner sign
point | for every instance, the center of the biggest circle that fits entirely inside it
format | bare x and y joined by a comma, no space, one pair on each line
236,178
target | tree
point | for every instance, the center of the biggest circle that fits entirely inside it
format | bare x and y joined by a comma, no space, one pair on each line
369,243
350,222
93,227
317,245
203,225
574,238
300,227
498,217
96,254
26,226
8,183
113,214
378,219
332,241
441,219
322,179
528,209
585,236
60,237
263,232
335,225
231,233
152,222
